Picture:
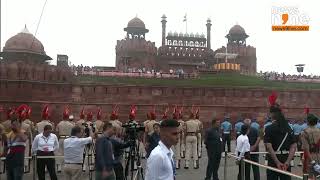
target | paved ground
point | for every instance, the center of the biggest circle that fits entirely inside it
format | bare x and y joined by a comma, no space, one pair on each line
197,174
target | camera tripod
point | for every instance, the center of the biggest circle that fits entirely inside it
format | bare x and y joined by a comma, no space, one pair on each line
134,157
89,153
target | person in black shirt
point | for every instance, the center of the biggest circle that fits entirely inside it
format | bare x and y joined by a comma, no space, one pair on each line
213,144
280,143
153,139
254,140
118,146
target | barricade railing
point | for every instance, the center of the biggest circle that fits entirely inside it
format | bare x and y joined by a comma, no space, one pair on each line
243,161
34,163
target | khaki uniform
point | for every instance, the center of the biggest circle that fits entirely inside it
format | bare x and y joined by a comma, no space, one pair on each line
310,135
27,128
99,126
192,129
145,130
199,137
64,131
118,125
2,143
182,136
149,126
179,147
7,126
2,129
28,121
40,125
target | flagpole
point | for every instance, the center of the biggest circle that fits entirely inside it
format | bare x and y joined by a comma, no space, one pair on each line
186,25
226,60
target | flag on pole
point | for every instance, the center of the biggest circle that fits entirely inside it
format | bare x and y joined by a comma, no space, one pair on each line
185,18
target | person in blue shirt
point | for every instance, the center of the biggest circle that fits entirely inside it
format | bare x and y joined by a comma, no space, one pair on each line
318,124
297,129
255,124
237,127
291,122
267,123
304,125
226,128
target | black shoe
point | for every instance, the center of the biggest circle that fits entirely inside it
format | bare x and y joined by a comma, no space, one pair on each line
186,167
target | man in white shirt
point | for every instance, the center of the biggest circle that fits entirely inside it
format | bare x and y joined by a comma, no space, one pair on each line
73,153
44,144
243,150
160,164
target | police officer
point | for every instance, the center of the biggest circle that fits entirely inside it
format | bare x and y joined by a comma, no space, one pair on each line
181,120
64,131
114,120
192,130
81,121
98,122
213,144
7,123
22,111
145,125
177,147
226,128
279,139
255,124
237,127
28,121
149,125
199,136
180,146
297,129
310,137
45,120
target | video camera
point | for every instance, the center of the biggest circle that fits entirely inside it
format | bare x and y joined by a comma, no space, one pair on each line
132,128
87,130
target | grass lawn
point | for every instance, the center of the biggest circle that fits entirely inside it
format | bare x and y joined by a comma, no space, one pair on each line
216,80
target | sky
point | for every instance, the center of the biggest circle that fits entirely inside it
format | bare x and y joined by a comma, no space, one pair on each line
87,30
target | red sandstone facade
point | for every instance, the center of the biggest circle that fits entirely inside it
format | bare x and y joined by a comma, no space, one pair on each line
181,51
36,83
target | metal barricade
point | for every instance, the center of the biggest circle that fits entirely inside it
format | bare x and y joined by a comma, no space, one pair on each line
34,163
244,161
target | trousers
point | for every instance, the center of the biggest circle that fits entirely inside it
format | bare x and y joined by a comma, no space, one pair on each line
226,139
213,166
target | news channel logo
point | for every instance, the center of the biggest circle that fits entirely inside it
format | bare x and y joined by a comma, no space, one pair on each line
286,18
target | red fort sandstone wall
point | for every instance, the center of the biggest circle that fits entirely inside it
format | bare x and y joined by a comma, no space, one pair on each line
212,101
